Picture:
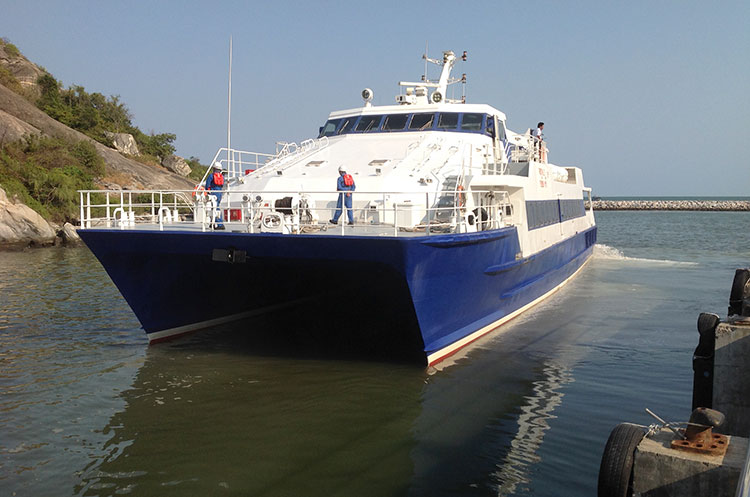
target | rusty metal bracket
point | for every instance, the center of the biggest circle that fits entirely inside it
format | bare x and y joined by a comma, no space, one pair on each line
702,442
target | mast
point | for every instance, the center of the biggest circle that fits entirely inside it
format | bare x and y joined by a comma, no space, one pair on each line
229,110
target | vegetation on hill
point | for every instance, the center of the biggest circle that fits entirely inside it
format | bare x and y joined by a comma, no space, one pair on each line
198,170
94,115
45,174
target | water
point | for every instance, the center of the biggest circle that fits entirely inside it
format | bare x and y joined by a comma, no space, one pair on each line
87,408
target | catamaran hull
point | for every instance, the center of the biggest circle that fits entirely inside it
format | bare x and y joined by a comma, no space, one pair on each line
436,293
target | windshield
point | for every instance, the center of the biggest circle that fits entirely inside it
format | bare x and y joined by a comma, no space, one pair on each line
466,122
329,128
368,123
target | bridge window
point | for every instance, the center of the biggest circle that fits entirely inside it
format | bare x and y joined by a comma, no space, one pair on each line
421,121
447,121
395,122
472,122
346,127
329,128
368,124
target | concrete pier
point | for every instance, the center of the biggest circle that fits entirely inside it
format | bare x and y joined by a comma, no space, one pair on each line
662,471
731,386
710,456
671,205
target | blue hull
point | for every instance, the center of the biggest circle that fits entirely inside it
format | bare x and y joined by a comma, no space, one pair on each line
433,291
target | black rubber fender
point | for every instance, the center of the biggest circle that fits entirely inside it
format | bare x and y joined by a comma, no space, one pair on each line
740,291
481,217
616,470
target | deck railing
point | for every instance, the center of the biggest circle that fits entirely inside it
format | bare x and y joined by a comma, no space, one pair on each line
249,211
237,163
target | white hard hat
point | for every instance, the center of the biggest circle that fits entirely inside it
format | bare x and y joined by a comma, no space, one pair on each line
217,165
341,169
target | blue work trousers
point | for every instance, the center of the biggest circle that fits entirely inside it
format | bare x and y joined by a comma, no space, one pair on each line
217,193
348,203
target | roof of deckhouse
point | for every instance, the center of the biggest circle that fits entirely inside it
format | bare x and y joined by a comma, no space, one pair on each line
411,109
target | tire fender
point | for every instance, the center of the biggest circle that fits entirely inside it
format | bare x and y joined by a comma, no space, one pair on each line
616,470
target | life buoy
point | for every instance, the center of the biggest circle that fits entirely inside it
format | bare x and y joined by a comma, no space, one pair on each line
199,191
461,200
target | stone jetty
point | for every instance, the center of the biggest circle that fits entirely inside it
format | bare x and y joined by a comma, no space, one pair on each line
671,205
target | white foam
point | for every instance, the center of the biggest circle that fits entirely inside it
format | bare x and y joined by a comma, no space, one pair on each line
610,253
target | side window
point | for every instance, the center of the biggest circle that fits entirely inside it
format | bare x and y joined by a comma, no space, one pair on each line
368,123
395,122
489,127
329,128
447,121
501,130
472,122
422,121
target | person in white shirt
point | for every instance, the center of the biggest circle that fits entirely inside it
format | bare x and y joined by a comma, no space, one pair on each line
538,139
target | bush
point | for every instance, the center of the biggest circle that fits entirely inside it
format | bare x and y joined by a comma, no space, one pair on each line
155,145
89,158
197,170
11,49
45,173
9,81
95,115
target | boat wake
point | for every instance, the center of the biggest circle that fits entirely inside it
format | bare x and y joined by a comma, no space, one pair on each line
605,252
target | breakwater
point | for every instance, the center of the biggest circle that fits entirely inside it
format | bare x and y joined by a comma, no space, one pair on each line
671,205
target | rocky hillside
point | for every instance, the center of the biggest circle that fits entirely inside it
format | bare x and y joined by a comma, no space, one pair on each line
20,118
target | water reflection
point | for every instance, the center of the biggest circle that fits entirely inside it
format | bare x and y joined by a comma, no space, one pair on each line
209,414
205,416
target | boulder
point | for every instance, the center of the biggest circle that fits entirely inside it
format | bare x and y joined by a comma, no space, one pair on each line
13,129
21,226
69,235
177,164
124,143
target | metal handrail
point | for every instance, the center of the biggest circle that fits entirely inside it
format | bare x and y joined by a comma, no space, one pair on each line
234,163
148,206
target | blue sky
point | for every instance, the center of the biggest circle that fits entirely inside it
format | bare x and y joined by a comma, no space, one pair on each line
648,97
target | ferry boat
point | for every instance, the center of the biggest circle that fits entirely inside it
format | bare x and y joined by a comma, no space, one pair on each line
460,224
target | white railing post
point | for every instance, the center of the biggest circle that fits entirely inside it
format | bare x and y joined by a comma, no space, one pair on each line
88,209
109,222
427,207
82,220
395,219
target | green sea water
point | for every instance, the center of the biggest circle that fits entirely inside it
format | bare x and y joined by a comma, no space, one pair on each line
88,408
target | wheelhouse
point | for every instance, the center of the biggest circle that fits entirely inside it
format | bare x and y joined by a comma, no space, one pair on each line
462,122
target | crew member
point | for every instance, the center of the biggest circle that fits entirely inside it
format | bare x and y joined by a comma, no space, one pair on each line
215,184
539,139
345,185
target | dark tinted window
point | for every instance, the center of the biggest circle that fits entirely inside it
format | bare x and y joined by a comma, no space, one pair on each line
489,128
472,122
368,123
347,125
447,121
395,121
421,121
501,130
329,129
